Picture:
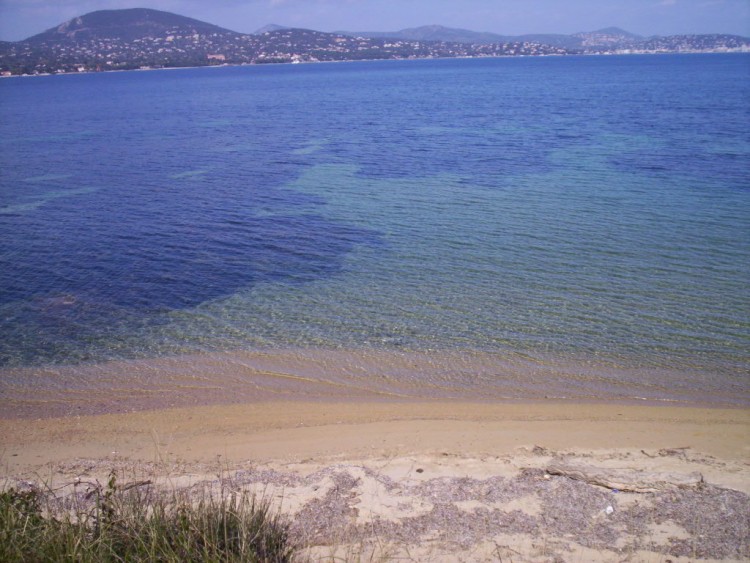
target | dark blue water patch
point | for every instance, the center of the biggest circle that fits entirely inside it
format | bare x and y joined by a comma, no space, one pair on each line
419,155
731,169
155,261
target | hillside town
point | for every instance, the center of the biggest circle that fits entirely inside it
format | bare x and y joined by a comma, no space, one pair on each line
163,40
178,48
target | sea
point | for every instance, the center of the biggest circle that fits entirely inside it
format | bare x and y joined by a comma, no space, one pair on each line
568,228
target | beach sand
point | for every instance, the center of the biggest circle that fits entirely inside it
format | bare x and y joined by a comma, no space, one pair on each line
433,481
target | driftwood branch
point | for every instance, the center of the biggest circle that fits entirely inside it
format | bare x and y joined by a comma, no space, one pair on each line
135,484
626,480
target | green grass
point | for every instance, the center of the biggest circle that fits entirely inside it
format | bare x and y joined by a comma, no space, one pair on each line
136,523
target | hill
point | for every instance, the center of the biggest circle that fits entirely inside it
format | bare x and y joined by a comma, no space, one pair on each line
269,28
434,33
607,37
125,25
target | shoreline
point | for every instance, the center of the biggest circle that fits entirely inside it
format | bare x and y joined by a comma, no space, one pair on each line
350,376
255,64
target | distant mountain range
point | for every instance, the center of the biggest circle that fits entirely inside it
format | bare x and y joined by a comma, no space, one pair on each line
604,37
145,38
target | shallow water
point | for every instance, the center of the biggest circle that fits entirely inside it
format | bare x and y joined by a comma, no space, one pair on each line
589,213
374,375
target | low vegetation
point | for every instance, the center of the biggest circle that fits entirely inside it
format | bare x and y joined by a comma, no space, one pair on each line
136,523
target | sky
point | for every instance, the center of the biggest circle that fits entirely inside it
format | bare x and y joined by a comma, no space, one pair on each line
22,18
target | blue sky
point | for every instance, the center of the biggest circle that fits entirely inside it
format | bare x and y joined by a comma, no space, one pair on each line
22,18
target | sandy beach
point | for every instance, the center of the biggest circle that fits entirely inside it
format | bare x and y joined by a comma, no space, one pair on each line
430,481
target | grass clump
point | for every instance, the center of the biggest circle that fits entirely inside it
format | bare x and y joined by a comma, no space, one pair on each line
136,523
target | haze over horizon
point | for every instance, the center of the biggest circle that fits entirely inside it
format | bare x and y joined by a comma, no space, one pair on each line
20,19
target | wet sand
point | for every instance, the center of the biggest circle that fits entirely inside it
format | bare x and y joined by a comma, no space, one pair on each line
351,375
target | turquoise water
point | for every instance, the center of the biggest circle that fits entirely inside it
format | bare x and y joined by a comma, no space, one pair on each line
581,210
